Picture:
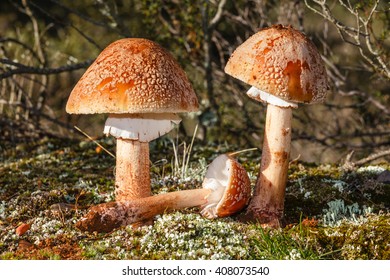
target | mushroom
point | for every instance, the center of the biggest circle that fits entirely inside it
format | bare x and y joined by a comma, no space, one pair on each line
142,87
225,191
284,68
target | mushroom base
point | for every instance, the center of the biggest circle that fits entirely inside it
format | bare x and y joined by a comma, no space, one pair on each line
264,217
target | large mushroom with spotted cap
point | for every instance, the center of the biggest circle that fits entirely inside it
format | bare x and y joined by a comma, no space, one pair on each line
284,68
142,88
225,190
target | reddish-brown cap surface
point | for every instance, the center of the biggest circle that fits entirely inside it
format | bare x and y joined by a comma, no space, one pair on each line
133,76
281,61
238,191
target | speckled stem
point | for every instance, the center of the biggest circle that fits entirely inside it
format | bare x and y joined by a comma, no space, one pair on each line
108,216
267,203
132,177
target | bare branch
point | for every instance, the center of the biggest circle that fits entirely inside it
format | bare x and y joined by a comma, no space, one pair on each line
351,165
352,35
372,157
171,29
25,46
218,15
24,69
78,30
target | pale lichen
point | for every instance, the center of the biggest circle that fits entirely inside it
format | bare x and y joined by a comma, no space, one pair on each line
338,211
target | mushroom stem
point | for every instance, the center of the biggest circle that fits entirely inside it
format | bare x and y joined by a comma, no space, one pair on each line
267,203
108,216
132,169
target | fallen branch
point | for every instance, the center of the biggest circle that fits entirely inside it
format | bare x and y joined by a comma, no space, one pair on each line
24,69
351,165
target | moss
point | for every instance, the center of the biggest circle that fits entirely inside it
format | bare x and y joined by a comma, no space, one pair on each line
310,188
367,240
40,178
9,256
189,236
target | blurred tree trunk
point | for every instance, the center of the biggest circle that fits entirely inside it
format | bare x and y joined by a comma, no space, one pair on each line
208,27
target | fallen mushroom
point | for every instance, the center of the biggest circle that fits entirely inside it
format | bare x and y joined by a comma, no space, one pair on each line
284,67
142,87
225,191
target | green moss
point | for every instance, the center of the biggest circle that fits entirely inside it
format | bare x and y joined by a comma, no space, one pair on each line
310,188
95,251
8,256
48,255
369,239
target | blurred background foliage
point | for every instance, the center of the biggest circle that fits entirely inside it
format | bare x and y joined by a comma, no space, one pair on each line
45,47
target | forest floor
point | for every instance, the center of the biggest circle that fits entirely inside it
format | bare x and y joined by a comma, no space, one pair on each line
47,186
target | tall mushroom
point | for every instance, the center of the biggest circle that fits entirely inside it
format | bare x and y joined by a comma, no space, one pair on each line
225,191
284,68
142,87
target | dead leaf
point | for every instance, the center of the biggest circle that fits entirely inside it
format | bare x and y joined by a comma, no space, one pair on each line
20,230
23,244
309,222
98,149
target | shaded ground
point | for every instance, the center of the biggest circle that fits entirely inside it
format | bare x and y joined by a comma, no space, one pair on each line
49,184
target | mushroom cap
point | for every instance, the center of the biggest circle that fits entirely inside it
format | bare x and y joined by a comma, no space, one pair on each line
231,187
133,75
283,62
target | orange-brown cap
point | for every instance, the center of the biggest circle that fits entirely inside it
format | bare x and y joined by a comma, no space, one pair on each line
225,174
133,75
238,192
283,62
